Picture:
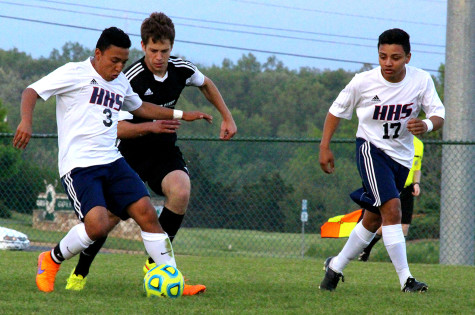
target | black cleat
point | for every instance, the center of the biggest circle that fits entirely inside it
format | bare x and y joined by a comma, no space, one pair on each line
330,281
412,285
363,256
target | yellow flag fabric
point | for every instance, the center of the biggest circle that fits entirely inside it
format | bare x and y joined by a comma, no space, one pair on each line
416,162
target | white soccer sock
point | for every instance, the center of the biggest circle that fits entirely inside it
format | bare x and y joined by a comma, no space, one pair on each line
159,247
359,238
395,244
74,242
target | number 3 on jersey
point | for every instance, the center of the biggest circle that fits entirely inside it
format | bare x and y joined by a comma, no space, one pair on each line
108,121
392,128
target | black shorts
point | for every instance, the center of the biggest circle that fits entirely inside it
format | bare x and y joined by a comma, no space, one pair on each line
153,169
407,204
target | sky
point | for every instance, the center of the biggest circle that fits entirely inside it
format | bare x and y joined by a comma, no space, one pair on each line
322,34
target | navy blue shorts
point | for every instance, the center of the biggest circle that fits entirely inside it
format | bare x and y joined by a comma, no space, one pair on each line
383,178
113,186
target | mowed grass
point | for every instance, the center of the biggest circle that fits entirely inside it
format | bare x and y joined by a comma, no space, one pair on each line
236,285
238,243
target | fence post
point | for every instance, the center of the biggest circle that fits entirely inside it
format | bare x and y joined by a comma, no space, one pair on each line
304,219
457,217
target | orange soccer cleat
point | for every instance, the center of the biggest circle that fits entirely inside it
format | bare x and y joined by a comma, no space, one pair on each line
46,274
193,289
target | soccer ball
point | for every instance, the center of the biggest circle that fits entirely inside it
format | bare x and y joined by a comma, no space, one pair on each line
163,281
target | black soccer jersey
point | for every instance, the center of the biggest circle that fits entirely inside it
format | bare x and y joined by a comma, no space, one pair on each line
161,91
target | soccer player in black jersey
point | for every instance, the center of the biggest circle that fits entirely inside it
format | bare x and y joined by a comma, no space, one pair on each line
149,146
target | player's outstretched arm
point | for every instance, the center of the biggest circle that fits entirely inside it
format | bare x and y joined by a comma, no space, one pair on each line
195,115
211,92
326,159
127,130
24,130
418,127
152,111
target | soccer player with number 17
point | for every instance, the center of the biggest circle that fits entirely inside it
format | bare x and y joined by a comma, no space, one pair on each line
387,100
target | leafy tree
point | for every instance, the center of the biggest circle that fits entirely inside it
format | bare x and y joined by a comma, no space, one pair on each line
20,180
134,54
439,81
261,201
71,51
3,119
231,182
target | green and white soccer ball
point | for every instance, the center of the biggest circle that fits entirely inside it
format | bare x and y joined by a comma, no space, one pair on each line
163,281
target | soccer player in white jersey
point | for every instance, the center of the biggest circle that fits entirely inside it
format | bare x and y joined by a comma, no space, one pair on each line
98,181
158,78
387,101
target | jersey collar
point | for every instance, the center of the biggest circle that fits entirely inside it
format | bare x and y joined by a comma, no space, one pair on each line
159,79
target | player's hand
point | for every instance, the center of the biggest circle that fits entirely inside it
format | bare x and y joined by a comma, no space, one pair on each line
416,126
164,126
327,162
22,135
228,129
416,190
190,116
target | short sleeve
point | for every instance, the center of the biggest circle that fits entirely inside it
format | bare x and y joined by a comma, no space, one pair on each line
132,100
431,103
125,115
197,79
346,101
60,81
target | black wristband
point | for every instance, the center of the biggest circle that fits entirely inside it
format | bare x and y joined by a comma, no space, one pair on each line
416,183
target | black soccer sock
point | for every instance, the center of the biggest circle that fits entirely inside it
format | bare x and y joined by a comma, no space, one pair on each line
87,256
376,239
170,222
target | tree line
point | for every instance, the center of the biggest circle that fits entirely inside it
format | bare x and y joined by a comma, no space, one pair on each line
231,182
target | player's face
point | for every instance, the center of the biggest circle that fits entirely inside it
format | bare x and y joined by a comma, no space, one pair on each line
109,64
393,60
156,55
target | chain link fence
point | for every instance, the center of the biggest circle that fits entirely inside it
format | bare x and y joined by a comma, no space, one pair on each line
246,198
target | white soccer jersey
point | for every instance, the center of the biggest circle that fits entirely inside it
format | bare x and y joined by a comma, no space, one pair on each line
384,108
87,110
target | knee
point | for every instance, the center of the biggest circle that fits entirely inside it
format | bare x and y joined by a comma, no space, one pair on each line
179,193
372,223
144,209
391,212
177,200
98,223
394,215
96,230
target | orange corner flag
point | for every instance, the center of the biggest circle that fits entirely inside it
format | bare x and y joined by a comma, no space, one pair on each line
342,225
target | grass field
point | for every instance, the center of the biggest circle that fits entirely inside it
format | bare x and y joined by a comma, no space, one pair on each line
236,285
250,243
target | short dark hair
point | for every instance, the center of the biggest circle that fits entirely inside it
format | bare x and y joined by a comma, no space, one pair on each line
395,36
113,36
158,27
